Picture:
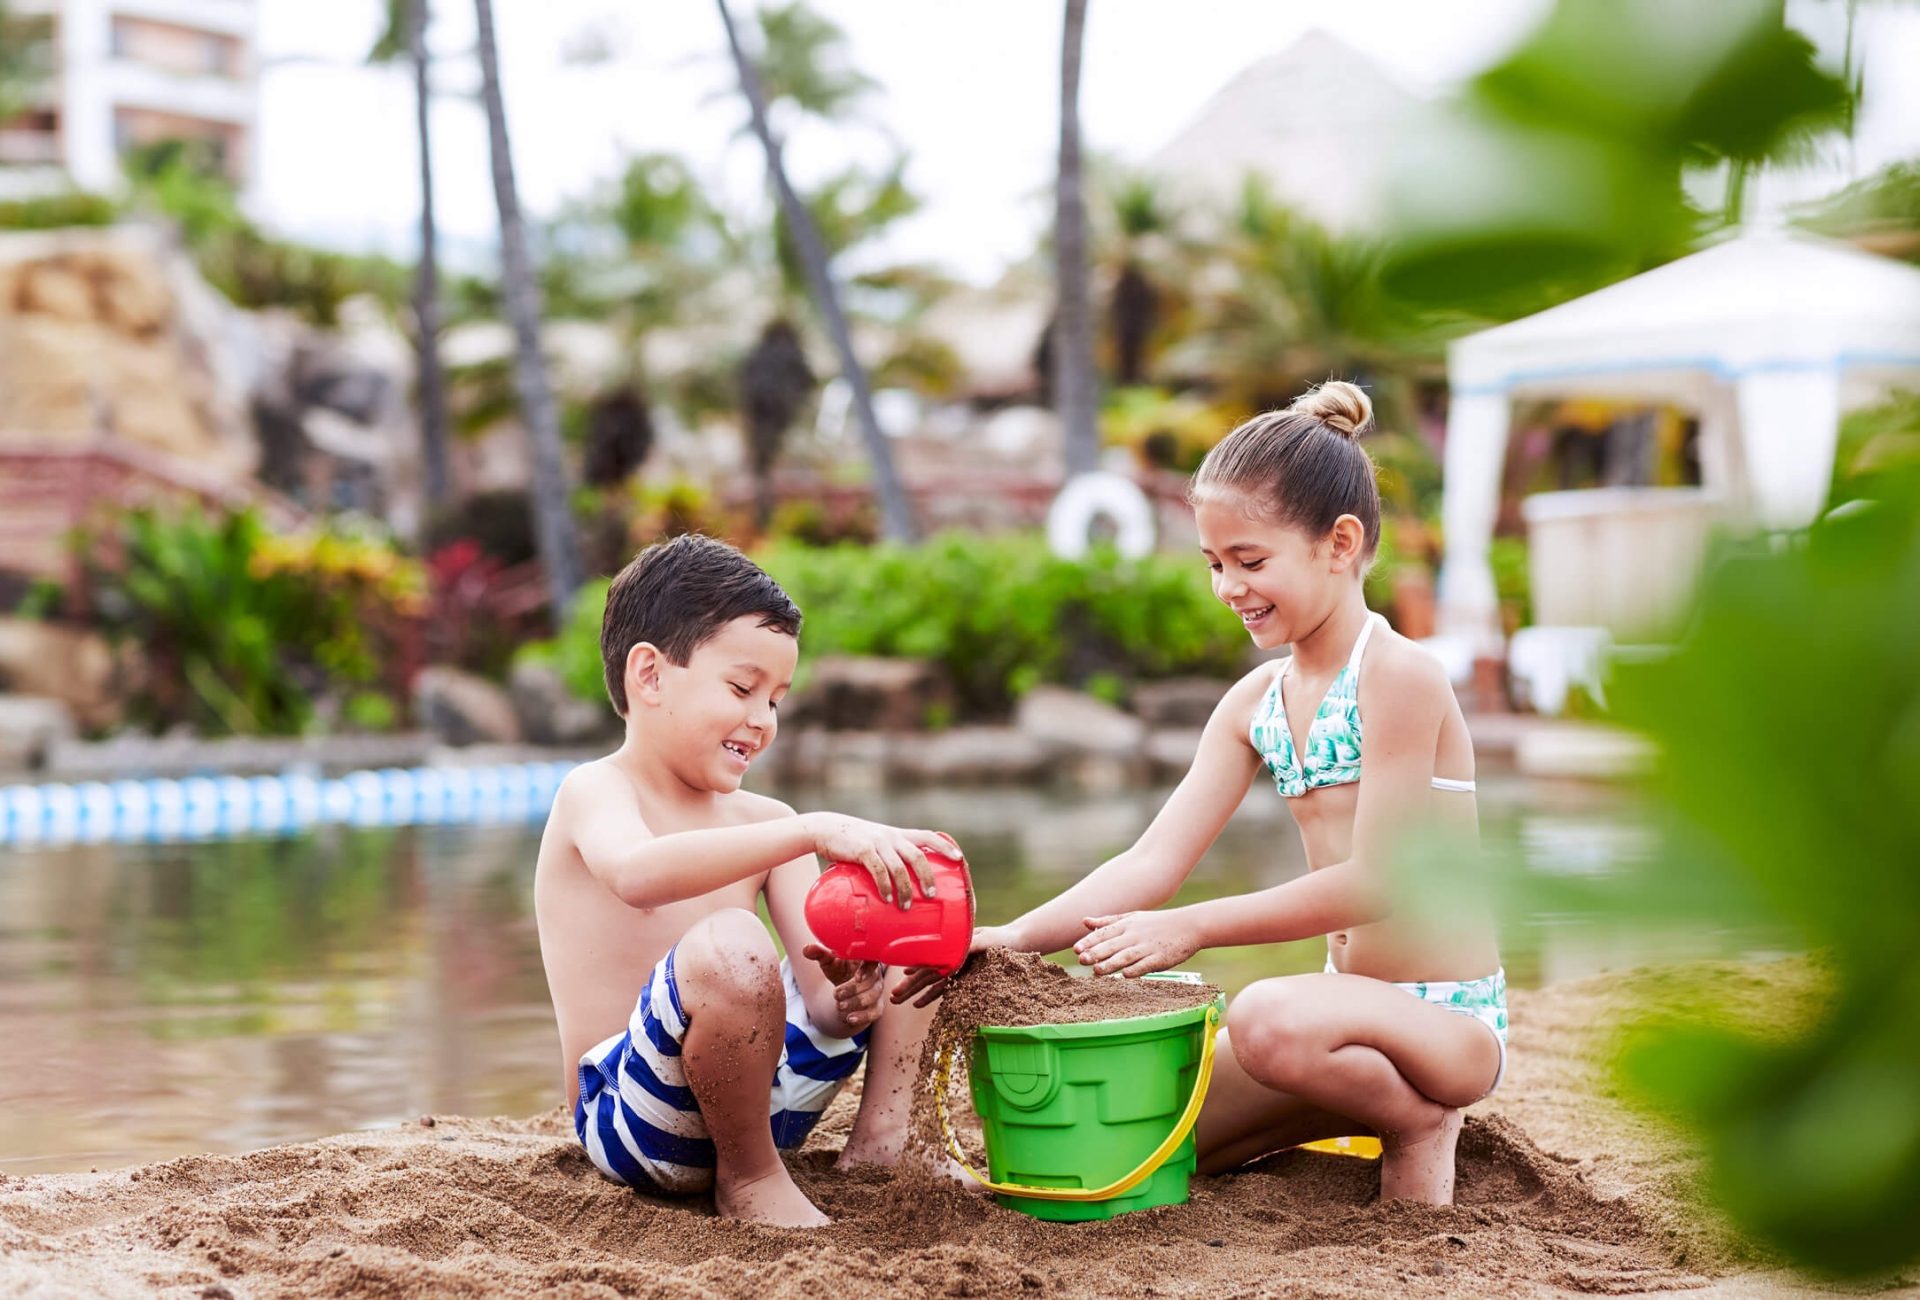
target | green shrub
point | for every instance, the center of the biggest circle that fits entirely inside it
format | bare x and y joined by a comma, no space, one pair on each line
243,629
1002,613
56,211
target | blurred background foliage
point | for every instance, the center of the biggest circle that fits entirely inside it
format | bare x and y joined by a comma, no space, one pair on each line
1789,785
245,631
1562,167
1001,615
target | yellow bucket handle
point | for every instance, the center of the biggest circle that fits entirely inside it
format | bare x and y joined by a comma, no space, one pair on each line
942,1074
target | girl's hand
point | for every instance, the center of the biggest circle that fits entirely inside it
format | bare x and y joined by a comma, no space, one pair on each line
1138,943
930,983
856,985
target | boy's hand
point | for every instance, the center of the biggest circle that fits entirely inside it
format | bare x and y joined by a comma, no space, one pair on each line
895,858
856,985
1137,943
930,983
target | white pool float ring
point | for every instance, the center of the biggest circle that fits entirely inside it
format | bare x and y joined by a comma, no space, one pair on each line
1087,497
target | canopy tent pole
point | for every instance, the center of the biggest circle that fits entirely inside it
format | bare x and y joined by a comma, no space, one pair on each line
1476,456
1789,430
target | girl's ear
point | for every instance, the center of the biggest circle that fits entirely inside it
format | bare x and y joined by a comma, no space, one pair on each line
1347,544
644,662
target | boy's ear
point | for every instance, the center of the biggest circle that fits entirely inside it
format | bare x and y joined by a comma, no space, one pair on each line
644,662
1347,543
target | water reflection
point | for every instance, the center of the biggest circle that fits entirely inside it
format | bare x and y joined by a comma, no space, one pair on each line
163,999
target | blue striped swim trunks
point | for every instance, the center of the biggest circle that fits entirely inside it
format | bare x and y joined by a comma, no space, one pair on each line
637,1117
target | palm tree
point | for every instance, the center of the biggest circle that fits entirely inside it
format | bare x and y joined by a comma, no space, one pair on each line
1072,342
407,30
552,517
896,514
775,383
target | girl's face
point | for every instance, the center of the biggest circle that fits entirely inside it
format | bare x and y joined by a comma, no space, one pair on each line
1281,582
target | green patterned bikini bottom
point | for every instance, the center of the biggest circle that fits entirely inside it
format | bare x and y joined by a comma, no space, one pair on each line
1484,999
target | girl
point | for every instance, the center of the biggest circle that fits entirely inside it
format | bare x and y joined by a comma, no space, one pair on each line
1408,1023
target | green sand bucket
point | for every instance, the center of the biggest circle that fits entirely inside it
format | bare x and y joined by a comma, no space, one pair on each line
1092,1120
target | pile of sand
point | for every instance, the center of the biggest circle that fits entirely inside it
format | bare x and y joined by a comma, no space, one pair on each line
502,1207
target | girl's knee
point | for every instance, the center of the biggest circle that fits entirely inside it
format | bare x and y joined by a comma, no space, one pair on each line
1274,1027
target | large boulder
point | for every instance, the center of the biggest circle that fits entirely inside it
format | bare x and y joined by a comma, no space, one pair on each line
1095,745
872,693
30,727
462,709
1075,722
550,714
1178,701
76,667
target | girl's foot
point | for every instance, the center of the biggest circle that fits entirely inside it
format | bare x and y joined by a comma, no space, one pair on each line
771,1198
1417,1164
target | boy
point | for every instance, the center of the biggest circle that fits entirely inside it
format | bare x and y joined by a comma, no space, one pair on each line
681,1029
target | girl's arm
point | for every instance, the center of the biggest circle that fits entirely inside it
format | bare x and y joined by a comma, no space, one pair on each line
1150,872
1404,702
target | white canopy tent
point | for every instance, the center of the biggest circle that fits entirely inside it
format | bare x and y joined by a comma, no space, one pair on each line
1767,338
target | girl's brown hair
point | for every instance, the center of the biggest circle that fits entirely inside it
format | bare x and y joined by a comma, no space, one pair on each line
1302,467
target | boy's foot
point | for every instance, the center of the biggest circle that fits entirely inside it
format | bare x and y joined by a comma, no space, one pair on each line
1418,1166
771,1198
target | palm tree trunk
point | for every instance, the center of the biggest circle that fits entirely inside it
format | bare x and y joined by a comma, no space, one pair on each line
426,287
554,537
1073,385
896,512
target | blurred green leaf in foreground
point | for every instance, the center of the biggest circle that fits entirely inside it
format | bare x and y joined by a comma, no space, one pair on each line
1789,725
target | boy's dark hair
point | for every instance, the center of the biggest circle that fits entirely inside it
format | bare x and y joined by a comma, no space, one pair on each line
676,595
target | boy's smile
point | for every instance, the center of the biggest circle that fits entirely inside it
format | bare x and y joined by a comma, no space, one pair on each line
719,711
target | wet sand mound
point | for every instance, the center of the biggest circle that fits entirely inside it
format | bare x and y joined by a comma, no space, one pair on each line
513,1208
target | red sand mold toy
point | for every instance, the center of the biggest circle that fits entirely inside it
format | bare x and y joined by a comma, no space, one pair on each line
849,917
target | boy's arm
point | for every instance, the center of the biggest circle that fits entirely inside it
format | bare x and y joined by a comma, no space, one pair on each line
786,891
647,870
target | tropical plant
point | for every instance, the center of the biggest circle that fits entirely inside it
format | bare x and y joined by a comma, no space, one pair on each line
1882,211
552,514
54,211
26,58
245,630
405,36
1560,168
1810,1130
896,511
1071,348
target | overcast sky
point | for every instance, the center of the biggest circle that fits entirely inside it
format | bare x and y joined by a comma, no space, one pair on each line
968,86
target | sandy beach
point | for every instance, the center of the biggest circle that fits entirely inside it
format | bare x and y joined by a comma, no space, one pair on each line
1560,1191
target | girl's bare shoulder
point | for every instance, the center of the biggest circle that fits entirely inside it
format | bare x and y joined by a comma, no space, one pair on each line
1406,671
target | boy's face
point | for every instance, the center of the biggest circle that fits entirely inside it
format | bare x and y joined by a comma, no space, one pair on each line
719,710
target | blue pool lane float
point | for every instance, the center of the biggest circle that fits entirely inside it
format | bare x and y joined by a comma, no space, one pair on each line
201,807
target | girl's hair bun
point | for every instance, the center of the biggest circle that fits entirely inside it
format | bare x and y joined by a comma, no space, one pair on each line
1341,406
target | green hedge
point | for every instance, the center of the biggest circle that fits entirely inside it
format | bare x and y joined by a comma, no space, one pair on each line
1002,613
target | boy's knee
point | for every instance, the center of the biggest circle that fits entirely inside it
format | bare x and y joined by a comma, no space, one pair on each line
731,954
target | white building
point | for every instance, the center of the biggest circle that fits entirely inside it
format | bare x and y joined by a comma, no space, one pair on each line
124,73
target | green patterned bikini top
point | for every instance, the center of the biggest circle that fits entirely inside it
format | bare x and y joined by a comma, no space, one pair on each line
1333,740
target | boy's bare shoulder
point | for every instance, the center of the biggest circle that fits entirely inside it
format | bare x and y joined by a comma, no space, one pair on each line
746,806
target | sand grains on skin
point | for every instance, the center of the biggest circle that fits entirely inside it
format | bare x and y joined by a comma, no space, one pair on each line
514,1208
